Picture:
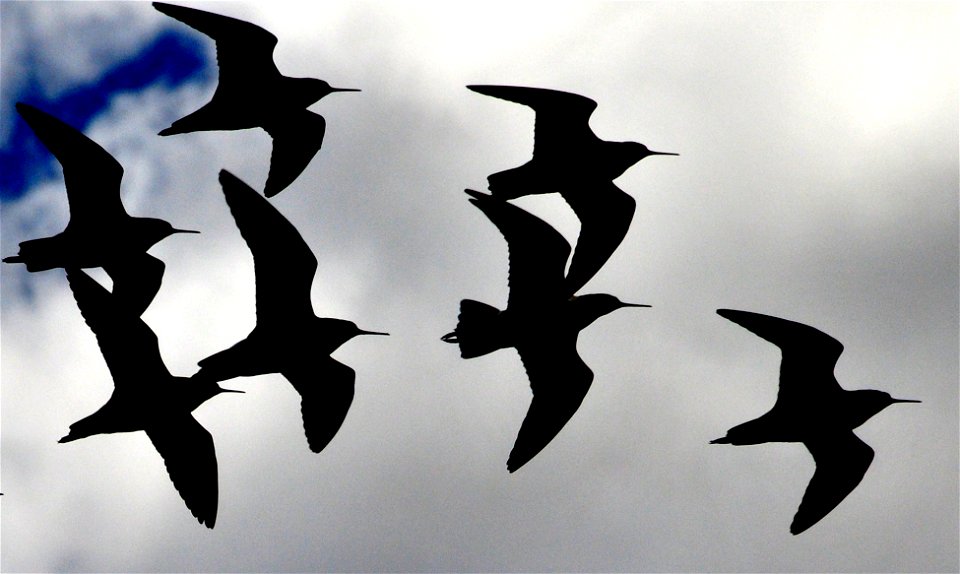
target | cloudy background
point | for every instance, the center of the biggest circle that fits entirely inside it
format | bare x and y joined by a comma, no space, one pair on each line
817,181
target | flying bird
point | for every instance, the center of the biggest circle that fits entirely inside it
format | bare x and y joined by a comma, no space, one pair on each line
542,321
570,159
288,338
99,233
251,93
812,408
148,398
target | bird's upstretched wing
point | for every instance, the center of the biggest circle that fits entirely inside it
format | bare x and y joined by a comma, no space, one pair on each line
297,137
559,380
605,214
136,280
191,460
561,117
809,355
91,175
244,50
129,347
537,252
284,266
326,389
841,460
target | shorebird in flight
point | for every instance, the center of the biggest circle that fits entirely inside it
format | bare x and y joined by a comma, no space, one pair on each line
542,321
568,158
288,338
148,398
812,408
99,233
251,93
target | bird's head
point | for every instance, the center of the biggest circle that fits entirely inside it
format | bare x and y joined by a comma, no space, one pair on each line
316,89
629,153
589,308
341,330
151,230
202,390
875,401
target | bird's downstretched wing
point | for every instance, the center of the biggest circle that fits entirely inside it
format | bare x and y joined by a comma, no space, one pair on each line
283,264
561,117
244,50
91,175
191,460
537,252
809,355
605,215
136,280
129,347
326,389
297,137
841,460
559,380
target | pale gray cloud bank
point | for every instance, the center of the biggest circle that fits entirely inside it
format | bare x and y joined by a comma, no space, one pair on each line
817,181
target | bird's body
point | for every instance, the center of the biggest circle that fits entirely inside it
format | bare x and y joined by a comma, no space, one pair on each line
100,233
148,398
569,159
812,409
288,338
542,321
251,93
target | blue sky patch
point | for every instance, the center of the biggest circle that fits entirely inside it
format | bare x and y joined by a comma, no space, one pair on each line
171,60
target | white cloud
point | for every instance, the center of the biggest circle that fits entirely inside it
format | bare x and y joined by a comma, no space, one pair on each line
756,213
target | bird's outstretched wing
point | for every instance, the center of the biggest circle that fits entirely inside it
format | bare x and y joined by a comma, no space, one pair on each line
136,280
297,137
537,252
326,389
842,460
91,175
561,117
129,347
605,214
191,460
809,355
559,380
284,266
244,50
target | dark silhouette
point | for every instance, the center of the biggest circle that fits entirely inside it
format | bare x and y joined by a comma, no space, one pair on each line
100,233
542,321
288,338
252,93
148,398
570,159
813,409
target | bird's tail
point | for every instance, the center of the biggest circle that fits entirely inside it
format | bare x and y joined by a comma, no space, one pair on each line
38,254
476,332
518,182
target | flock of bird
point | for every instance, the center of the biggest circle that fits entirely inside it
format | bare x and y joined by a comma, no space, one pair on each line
542,318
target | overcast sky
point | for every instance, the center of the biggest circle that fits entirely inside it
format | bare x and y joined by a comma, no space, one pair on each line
817,181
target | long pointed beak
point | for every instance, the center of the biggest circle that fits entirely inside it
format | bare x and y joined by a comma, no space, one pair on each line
184,231
332,89
662,153
362,332
223,390
635,305
906,401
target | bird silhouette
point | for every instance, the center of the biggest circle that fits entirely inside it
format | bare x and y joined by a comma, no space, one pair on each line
148,398
251,93
541,321
99,233
288,338
568,158
811,408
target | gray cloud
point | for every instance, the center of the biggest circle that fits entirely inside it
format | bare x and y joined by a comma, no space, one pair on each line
795,194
